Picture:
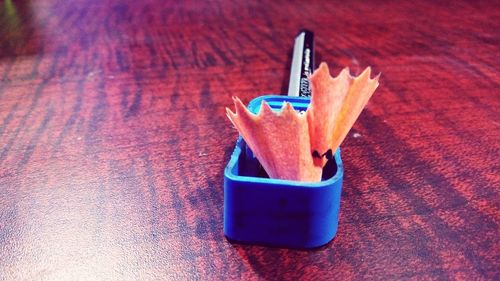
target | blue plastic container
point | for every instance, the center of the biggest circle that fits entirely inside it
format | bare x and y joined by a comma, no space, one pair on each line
281,213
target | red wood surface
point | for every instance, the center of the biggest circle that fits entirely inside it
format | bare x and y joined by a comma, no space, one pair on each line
113,137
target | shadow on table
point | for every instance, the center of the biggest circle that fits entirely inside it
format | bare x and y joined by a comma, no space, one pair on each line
273,263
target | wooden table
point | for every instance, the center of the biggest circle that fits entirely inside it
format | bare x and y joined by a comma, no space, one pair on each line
113,138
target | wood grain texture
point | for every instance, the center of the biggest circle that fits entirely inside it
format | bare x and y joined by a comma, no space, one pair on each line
113,137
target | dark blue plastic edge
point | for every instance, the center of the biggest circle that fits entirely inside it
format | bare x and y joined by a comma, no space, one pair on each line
276,212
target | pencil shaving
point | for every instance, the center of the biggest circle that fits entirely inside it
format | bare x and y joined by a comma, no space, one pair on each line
296,146
279,140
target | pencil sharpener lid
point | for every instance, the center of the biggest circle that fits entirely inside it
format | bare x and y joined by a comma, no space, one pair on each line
274,212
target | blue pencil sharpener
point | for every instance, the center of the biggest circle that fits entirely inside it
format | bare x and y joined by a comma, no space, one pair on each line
280,213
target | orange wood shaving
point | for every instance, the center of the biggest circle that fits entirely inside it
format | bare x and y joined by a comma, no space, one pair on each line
284,141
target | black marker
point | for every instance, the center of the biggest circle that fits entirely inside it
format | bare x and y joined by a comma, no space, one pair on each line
302,64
